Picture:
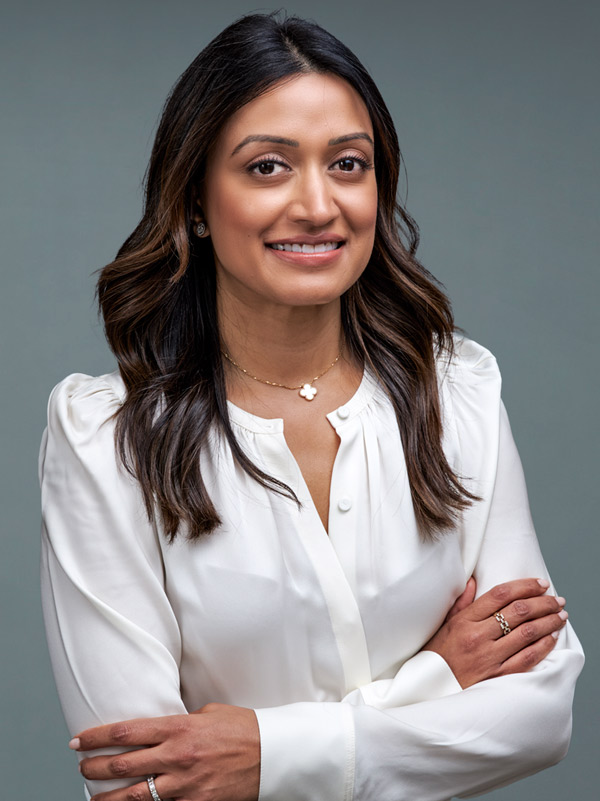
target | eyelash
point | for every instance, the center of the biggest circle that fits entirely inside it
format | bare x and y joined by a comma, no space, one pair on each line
271,160
363,163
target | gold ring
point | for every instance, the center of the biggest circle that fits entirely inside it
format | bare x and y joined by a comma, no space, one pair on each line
503,624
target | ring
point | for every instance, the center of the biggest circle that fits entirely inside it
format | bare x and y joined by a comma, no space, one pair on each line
503,625
152,788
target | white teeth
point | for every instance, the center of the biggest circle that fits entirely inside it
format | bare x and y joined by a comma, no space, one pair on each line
323,247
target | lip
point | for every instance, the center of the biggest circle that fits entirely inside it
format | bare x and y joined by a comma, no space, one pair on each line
306,239
308,259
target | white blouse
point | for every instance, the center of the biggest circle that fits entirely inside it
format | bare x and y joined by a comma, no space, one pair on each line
319,634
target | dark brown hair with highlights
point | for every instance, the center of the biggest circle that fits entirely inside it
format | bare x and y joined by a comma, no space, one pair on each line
158,297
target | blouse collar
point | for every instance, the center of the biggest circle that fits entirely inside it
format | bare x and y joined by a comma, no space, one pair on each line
338,417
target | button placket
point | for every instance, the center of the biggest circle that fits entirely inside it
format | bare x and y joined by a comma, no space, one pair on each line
343,510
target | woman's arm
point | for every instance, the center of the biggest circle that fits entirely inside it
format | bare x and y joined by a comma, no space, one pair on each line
391,739
464,743
220,750
113,638
417,735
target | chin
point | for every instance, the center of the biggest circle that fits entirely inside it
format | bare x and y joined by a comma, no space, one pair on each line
314,298
316,293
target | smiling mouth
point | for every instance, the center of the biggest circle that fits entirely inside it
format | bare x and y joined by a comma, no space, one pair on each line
322,247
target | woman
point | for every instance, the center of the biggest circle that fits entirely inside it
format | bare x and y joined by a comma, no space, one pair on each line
307,595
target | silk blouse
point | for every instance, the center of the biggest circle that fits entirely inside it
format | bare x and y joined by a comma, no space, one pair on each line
320,634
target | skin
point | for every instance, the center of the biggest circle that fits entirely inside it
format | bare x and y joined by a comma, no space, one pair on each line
280,319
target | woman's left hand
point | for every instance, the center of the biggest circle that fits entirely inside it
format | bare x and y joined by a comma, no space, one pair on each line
213,753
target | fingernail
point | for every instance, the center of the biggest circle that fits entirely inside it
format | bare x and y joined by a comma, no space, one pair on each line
555,635
560,600
75,744
563,614
543,583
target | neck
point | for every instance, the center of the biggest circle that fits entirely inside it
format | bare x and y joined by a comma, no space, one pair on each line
287,345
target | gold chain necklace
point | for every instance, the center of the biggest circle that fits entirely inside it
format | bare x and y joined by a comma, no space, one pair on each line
307,391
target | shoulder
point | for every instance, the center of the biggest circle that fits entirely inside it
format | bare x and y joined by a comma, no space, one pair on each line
79,467
470,398
469,362
82,403
469,379
81,421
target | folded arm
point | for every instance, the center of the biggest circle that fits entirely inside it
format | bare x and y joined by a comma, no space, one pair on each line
115,648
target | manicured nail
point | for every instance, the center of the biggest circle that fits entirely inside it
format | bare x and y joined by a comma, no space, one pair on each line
563,614
75,744
560,600
555,635
543,583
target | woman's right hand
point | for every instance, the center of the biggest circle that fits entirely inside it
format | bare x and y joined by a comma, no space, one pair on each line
472,640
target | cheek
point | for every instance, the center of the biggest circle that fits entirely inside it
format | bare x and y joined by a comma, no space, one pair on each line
235,215
363,210
228,215
365,223
373,206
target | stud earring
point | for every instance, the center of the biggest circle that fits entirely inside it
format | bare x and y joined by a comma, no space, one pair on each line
200,229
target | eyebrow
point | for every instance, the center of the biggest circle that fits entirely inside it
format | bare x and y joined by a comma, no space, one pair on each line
350,137
282,140
277,140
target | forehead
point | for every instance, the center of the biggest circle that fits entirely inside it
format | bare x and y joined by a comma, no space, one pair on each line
306,108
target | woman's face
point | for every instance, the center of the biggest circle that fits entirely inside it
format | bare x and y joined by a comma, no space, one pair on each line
290,197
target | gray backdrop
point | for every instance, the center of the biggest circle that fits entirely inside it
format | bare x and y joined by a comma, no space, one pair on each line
496,109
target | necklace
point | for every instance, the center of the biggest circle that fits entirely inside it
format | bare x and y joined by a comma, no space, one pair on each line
307,391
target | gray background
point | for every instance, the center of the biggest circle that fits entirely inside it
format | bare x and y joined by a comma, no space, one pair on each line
496,109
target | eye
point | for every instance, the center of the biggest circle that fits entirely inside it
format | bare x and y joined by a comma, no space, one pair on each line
352,164
347,165
267,167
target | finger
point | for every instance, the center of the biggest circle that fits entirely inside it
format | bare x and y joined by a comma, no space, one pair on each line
528,633
465,599
529,657
140,731
140,791
129,765
503,594
523,610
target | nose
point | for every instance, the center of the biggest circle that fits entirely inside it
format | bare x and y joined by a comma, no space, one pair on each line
313,200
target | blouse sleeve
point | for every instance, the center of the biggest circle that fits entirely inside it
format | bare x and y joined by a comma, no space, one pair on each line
419,735
95,537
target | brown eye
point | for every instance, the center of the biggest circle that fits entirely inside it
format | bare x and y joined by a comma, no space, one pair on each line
347,165
267,167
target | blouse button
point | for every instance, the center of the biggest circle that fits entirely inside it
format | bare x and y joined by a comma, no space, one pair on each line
344,504
343,412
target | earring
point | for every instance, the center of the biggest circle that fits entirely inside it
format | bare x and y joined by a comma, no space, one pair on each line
200,229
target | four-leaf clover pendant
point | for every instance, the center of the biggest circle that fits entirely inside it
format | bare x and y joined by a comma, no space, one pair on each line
308,392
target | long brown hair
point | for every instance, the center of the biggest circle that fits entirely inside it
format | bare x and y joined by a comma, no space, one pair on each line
158,298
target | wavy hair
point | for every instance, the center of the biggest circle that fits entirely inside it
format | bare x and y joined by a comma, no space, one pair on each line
158,297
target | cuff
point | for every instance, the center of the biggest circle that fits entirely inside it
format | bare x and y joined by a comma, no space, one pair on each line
425,677
307,752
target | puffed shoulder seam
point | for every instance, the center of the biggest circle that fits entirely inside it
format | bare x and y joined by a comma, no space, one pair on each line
469,359
81,401
77,385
